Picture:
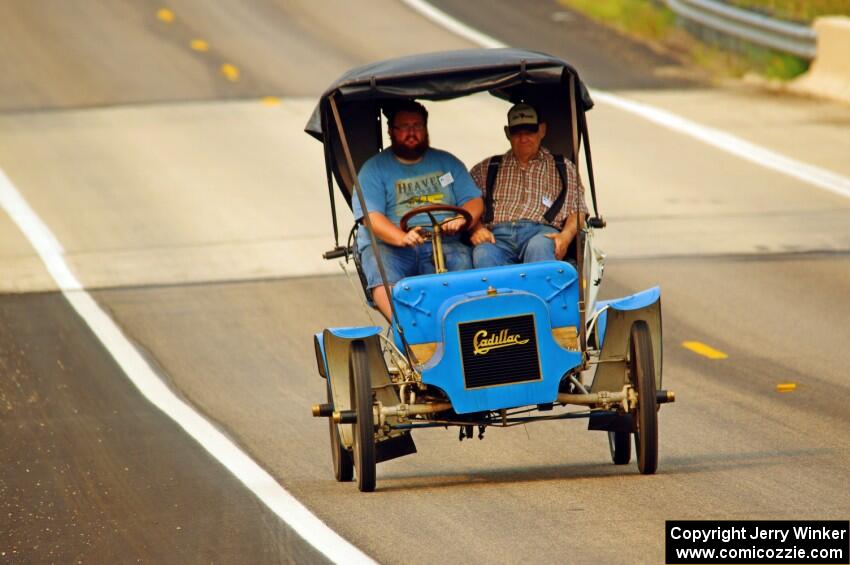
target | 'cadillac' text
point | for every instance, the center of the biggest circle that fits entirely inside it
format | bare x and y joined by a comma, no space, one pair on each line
482,343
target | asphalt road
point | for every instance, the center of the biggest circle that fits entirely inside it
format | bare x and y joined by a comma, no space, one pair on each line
183,200
92,473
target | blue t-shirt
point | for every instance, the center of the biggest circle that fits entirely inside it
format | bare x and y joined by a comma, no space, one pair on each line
393,188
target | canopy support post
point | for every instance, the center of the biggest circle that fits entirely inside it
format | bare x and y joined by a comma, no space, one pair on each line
580,237
331,194
589,163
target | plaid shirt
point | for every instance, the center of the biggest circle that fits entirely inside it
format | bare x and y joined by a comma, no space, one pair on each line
527,194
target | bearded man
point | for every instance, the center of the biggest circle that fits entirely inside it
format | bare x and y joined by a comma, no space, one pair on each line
409,175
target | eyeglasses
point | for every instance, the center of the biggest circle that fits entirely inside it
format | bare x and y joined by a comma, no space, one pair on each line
411,127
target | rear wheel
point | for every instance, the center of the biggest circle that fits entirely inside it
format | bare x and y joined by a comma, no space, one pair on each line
620,444
642,369
343,465
360,385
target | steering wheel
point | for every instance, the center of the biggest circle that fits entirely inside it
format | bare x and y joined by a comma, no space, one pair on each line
430,209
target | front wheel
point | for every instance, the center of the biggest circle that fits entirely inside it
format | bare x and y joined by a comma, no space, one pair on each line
360,384
642,374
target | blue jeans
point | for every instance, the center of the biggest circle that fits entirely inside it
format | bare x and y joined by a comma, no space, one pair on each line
401,262
522,241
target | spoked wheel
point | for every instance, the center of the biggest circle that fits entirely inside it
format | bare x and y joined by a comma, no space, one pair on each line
642,370
621,447
360,385
343,465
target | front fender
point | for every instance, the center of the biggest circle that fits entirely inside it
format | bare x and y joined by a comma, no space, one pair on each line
334,344
350,333
333,348
613,327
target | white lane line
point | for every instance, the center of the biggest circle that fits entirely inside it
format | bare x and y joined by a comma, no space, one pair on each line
255,478
816,176
455,26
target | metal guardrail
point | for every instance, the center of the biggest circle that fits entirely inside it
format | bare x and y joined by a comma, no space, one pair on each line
795,39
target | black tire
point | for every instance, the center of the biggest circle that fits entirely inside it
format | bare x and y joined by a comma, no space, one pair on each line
343,465
360,384
642,370
620,444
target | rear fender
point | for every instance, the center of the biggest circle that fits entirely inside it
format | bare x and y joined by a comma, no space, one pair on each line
613,330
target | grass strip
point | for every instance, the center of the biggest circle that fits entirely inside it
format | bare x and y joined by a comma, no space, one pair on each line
795,10
715,53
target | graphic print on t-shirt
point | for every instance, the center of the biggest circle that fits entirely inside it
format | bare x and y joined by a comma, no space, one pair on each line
419,191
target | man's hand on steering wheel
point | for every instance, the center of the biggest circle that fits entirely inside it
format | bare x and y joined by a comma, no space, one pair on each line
453,225
412,238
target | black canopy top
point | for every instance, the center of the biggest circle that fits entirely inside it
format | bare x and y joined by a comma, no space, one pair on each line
511,74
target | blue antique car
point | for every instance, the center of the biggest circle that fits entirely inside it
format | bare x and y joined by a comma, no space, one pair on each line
501,346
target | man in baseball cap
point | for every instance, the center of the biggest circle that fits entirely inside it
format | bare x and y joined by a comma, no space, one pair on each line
533,199
522,117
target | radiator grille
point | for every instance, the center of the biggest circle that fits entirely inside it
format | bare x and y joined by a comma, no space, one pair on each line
499,351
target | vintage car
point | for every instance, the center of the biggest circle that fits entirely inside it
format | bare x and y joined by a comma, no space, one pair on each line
500,346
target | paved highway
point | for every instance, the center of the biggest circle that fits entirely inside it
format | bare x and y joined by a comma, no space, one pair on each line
164,151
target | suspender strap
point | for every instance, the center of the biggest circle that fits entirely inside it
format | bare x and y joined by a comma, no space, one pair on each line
492,171
552,212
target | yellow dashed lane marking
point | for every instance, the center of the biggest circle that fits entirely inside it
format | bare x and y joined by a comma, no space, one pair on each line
230,72
786,387
704,350
165,15
270,100
199,45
